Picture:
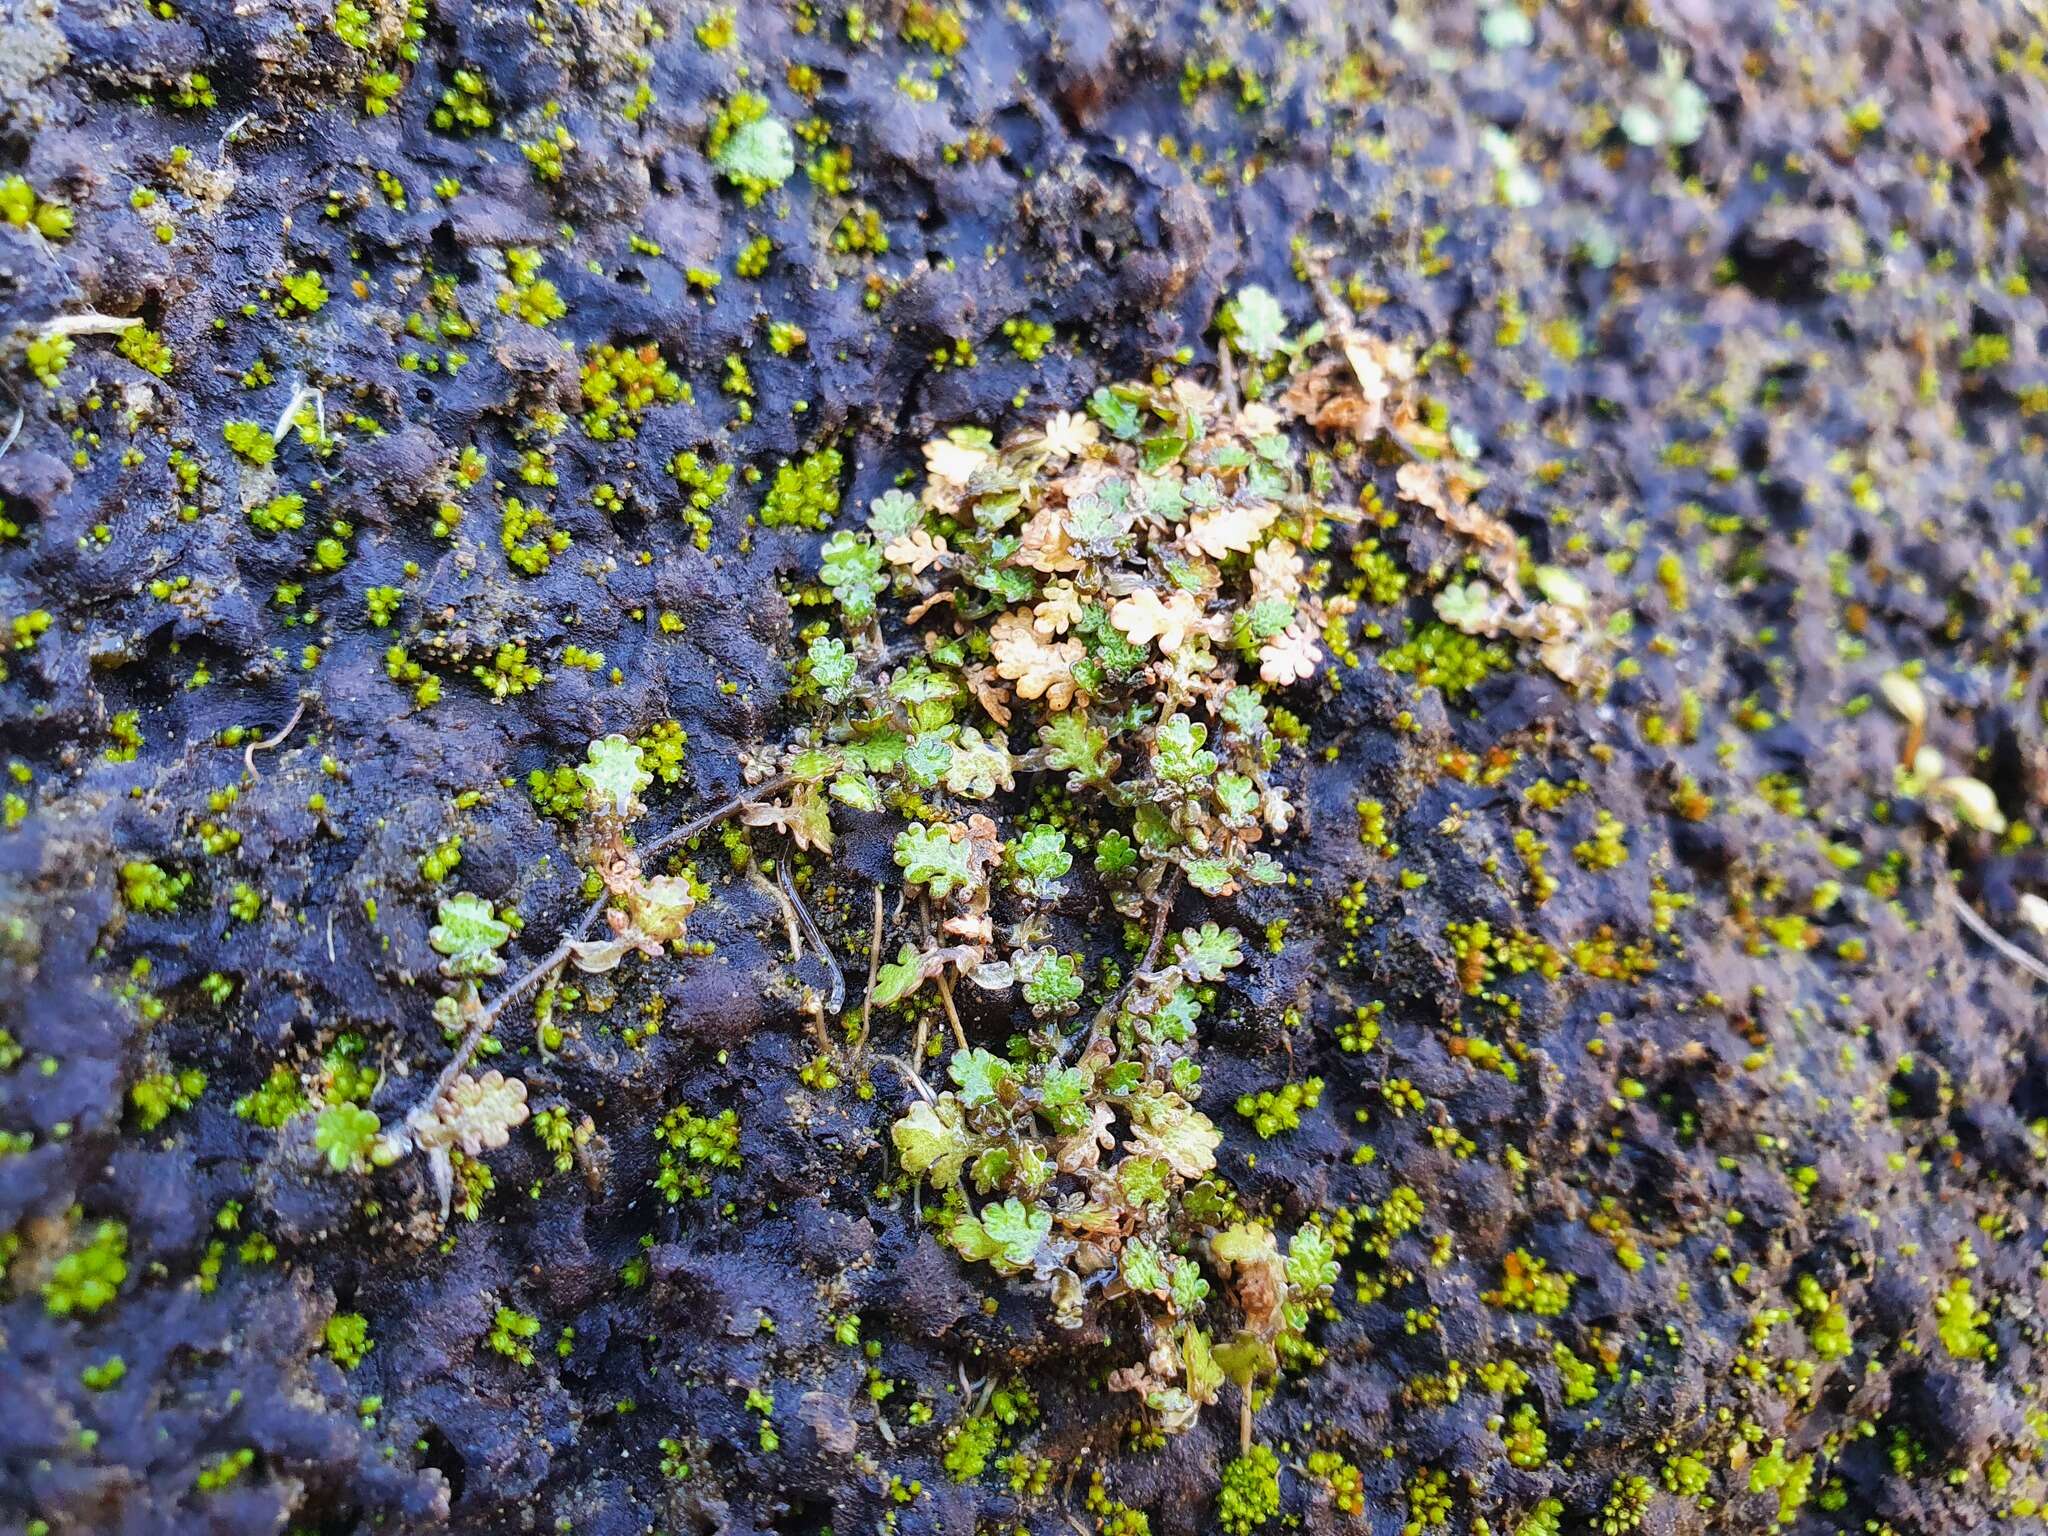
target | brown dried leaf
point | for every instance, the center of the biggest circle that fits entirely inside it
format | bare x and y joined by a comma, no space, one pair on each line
1044,543
991,695
985,845
1058,610
1085,1147
1070,433
1192,396
1039,669
1447,494
1230,529
921,609
1144,618
805,819
1289,657
918,550
1277,569
952,463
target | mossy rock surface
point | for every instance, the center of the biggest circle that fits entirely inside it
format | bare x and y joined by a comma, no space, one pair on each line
1682,1143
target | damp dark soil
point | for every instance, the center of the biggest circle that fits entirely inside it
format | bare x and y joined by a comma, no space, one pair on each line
1669,984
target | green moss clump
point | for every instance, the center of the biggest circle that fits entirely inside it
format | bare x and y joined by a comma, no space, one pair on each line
620,383
706,485
969,1446
804,494
1250,1495
1791,1479
508,673
145,349
145,887
1628,1501
348,1339
47,356
693,1144
754,256
1438,656
529,540
532,298
278,1100
1028,338
280,514
21,207
556,792
155,1098
250,441
88,1278
1273,1110
1959,1322
509,1333
663,748
224,1469
465,105
1528,1284
306,291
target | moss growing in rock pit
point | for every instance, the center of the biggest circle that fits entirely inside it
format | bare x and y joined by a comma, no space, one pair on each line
804,494
1250,1495
146,887
751,146
620,383
87,1278
347,1337
1273,1110
510,1332
692,1146
21,207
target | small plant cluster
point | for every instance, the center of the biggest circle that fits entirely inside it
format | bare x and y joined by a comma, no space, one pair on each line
474,1114
1111,603
1119,589
643,913
1107,601
751,147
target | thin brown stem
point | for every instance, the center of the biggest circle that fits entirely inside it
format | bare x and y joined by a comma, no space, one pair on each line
557,957
910,1073
1160,919
486,1016
267,743
924,1019
813,938
867,1006
1170,889
952,1013
712,818
1993,937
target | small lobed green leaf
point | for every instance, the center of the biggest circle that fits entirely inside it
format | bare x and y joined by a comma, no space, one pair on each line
1073,745
345,1134
1205,953
613,775
760,153
980,1076
940,858
1258,321
470,935
932,1141
1008,1234
898,978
